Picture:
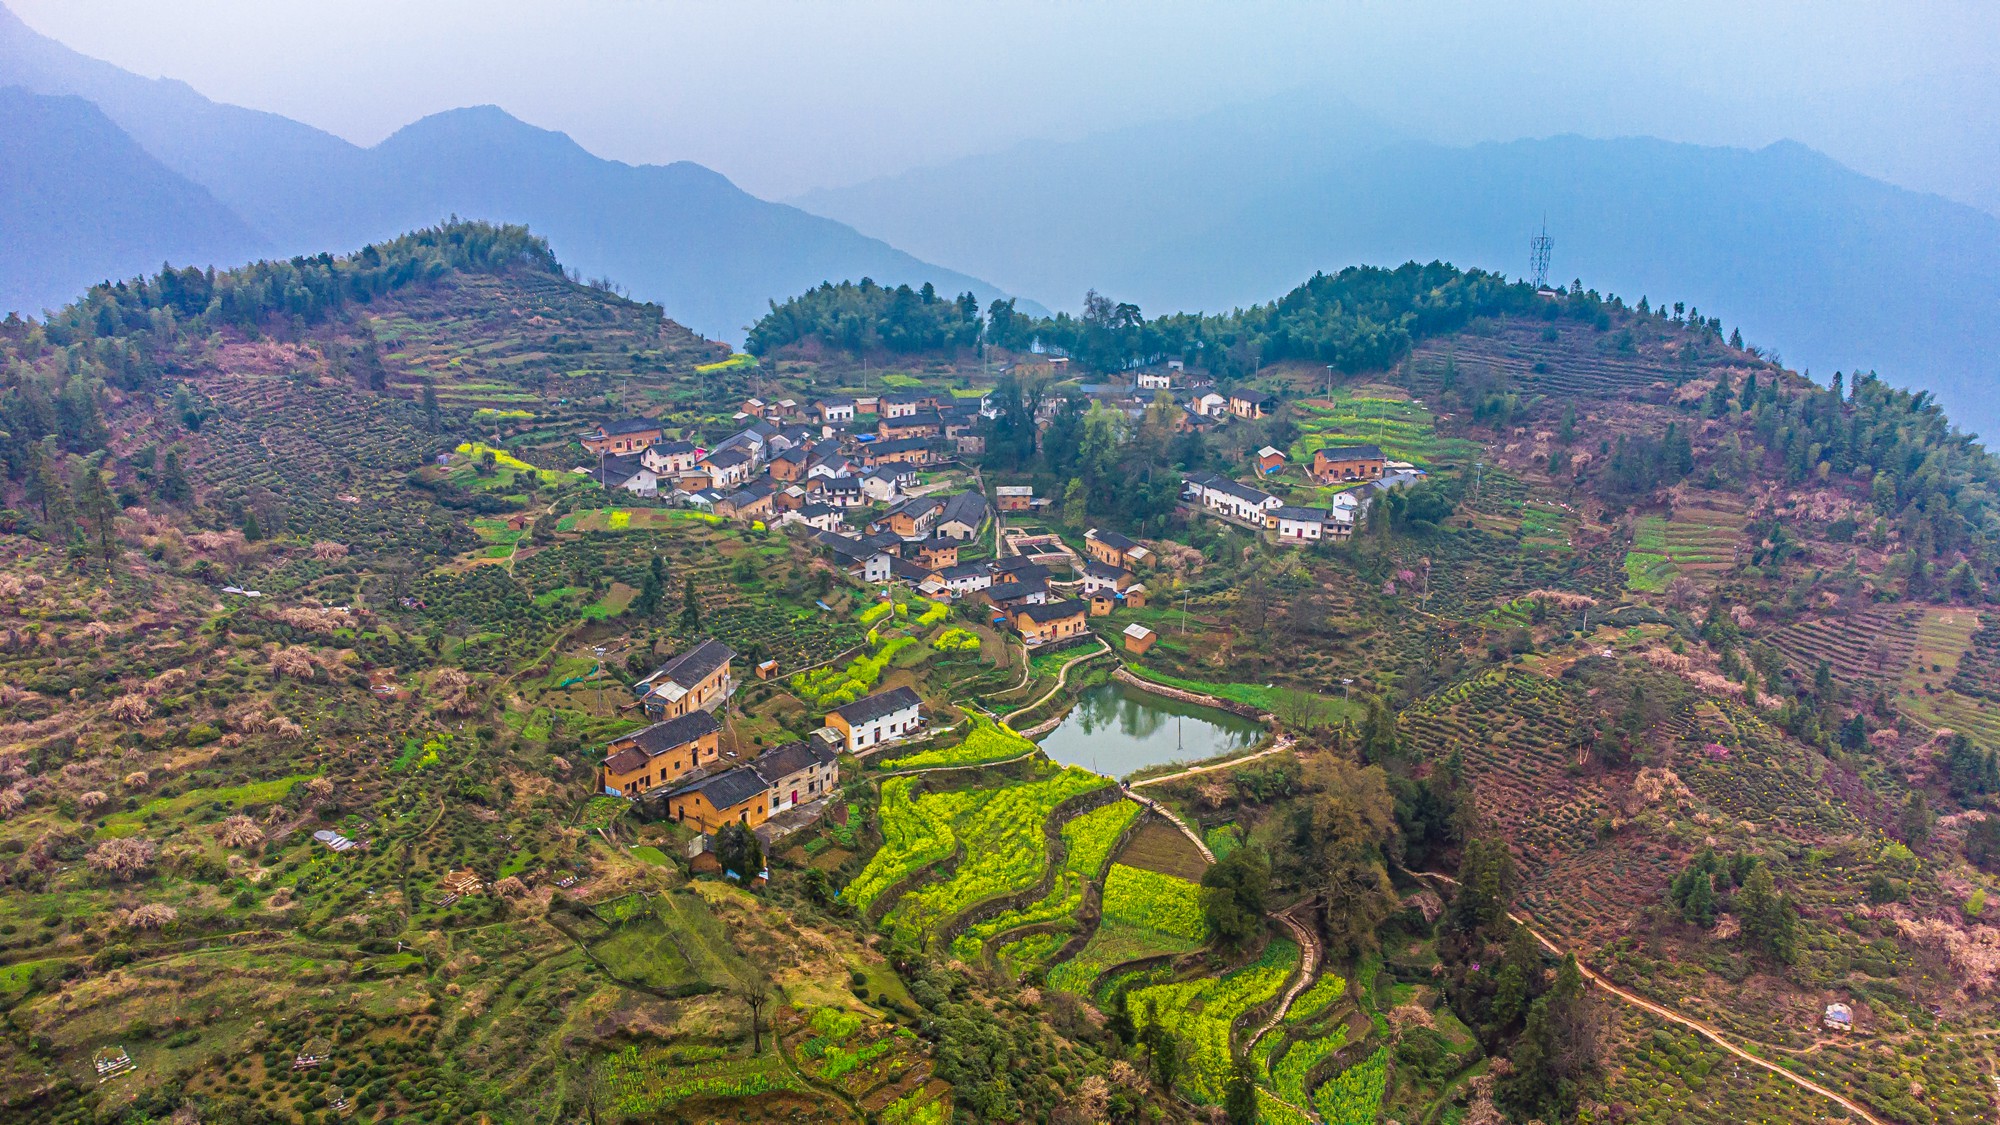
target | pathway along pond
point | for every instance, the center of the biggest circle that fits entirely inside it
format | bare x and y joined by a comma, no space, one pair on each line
1115,729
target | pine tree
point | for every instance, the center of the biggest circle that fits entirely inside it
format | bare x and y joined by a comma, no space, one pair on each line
1239,1099
51,493
97,511
1770,920
252,530
431,421
690,609
172,484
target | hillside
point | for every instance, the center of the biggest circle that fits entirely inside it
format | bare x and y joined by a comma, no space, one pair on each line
1656,657
679,235
1825,266
86,203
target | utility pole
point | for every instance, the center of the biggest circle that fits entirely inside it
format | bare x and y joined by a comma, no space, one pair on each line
1329,384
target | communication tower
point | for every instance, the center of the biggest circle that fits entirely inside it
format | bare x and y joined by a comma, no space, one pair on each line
1539,256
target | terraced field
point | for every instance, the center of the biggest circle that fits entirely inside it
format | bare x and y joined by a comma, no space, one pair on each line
1870,645
1087,843
1697,543
1202,1014
1580,361
1144,914
1404,430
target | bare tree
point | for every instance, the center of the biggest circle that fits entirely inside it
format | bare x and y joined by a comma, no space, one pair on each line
757,995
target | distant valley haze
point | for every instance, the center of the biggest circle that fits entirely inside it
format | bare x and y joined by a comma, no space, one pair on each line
1823,178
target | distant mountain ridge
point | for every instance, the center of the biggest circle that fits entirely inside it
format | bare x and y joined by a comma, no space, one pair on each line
85,203
1831,268
680,235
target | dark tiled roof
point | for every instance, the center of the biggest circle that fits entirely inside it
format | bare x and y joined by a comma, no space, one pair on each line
1306,515
962,571
727,458
781,762
613,471
673,448
1113,540
968,508
1008,590
1052,611
625,761
662,737
1015,563
629,426
1352,453
694,665
1104,570
727,789
878,705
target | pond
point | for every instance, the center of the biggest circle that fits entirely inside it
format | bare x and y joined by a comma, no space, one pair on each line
1116,729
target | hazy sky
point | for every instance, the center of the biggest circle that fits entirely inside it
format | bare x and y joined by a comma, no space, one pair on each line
787,96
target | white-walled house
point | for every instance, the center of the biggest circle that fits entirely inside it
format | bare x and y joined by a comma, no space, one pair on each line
882,717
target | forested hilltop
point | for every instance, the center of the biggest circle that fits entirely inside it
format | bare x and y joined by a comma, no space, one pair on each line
1638,671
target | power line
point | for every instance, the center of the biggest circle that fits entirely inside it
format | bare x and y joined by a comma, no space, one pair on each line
1539,255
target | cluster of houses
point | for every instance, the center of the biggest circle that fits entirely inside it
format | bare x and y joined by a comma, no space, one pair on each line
676,764
790,464
1250,506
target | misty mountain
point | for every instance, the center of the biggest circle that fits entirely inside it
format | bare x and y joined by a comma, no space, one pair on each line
680,234
1831,268
85,203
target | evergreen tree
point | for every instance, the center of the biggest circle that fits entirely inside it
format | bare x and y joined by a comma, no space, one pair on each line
97,510
690,609
1914,824
431,418
51,493
1232,896
171,484
1239,1098
1770,920
252,530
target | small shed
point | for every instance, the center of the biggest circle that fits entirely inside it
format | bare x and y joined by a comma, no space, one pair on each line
315,1051
111,1062
1135,596
1838,1017
1102,603
1138,638
767,669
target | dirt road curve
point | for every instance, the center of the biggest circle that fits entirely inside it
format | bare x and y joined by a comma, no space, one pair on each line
1283,744
1694,1025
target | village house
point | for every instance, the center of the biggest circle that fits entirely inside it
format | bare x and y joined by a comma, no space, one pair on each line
1220,494
883,485
714,800
833,411
921,424
660,754
1100,576
923,579
1348,462
1294,524
1043,623
1138,638
1270,460
913,518
962,517
876,719
752,502
966,578
1009,594
789,465
899,451
728,468
937,552
797,773
627,435
696,680
1014,497
869,563
753,406
836,492
1156,380
1113,549
1102,603
1208,404
626,473
819,517
903,404
1250,404
671,458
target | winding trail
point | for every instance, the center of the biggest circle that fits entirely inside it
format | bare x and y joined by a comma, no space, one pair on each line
1062,677
1283,744
1155,806
1699,1028
1308,972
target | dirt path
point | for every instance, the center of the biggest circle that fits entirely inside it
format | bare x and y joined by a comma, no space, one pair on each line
1199,843
1673,1017
1283,744
1308,972
1062,677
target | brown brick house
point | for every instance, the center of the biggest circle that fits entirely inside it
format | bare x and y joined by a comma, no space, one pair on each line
660,754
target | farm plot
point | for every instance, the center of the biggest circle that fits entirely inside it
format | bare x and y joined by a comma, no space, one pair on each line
1144,914
1403,429
1087,843
1872,645
1697,543
916,833
1354,1096
1201,1014
654,1081
840,1048
1160,847
1578,362
1978,671
988,740
1005,851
